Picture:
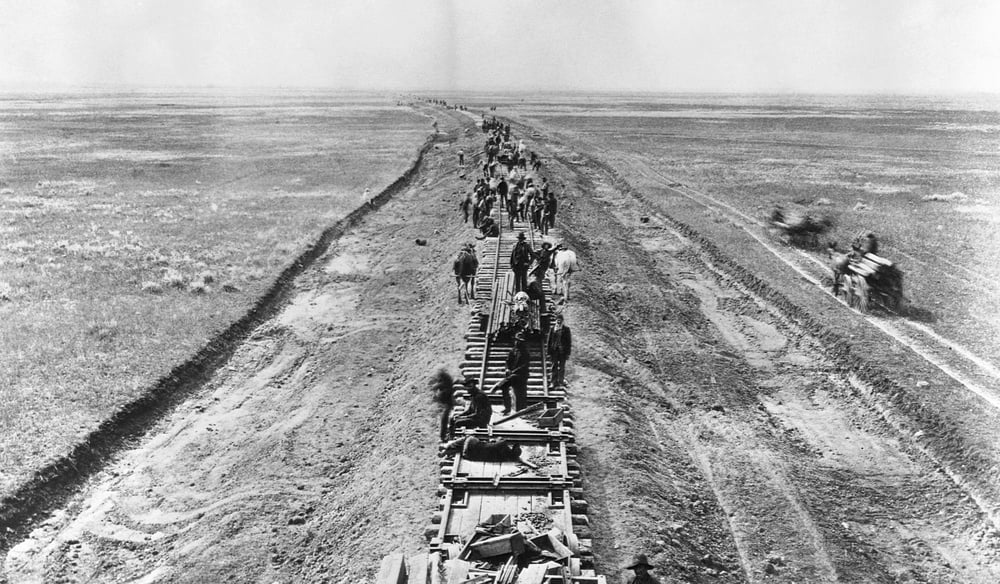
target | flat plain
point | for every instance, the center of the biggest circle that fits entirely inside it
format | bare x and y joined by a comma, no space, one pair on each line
735,422
133,227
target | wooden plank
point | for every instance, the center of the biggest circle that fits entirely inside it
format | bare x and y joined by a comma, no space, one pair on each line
470,517
532,574
458,571
434,569
418,573
392,570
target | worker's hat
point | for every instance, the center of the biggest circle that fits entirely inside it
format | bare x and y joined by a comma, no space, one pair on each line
520,235
639,560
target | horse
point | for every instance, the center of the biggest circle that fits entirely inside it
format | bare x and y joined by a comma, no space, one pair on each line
465,267
564,264
854,286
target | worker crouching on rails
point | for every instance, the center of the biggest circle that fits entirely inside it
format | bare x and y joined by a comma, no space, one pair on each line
478,412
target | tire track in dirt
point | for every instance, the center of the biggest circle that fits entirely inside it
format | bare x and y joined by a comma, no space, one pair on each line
747,418
920,338
953,430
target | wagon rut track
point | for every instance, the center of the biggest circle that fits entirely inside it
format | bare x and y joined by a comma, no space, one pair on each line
791,426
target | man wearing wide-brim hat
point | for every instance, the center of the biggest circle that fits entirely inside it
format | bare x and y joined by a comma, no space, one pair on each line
520,260
641,566
516,374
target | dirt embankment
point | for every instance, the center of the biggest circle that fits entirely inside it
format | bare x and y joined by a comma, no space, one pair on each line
716,432
290,366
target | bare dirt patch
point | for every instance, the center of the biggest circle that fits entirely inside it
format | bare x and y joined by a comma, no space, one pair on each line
131,234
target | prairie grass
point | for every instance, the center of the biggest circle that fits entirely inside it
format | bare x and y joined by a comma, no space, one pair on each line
131,233
872,164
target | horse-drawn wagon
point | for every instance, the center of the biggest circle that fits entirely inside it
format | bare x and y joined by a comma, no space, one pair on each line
868,280
798,227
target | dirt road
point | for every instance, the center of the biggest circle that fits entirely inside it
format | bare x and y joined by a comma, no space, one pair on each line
716,433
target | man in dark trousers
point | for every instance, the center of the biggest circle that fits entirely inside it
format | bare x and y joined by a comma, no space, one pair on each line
520,260
444,388
559,344
516,375
641,567
478,412
466,206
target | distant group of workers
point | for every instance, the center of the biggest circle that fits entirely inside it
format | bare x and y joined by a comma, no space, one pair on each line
505,185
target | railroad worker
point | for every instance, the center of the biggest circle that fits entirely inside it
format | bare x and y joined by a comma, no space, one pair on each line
551,205
641,566
542,262
512,197
466,206
444,388
478,413
473,448
461,157
516,374
368,197
489,228
535,292
502,188
520,260
558,346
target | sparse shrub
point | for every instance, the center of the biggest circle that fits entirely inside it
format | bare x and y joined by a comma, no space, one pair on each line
199,287
6,292
823,201
230,288
207,277
151,287
103,331
174,279
254,274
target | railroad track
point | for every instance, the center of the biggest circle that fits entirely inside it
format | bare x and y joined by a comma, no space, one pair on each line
543,502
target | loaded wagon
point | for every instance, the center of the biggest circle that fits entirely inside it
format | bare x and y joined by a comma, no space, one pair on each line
870,280
798,227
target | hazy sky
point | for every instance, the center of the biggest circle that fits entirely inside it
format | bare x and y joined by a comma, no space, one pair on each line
921,46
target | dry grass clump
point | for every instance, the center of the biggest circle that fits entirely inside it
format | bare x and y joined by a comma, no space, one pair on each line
956,197
105,331
151,287
6,292
174,279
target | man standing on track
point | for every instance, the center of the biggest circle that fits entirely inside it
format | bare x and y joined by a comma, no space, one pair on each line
520,259
558,345
516,374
